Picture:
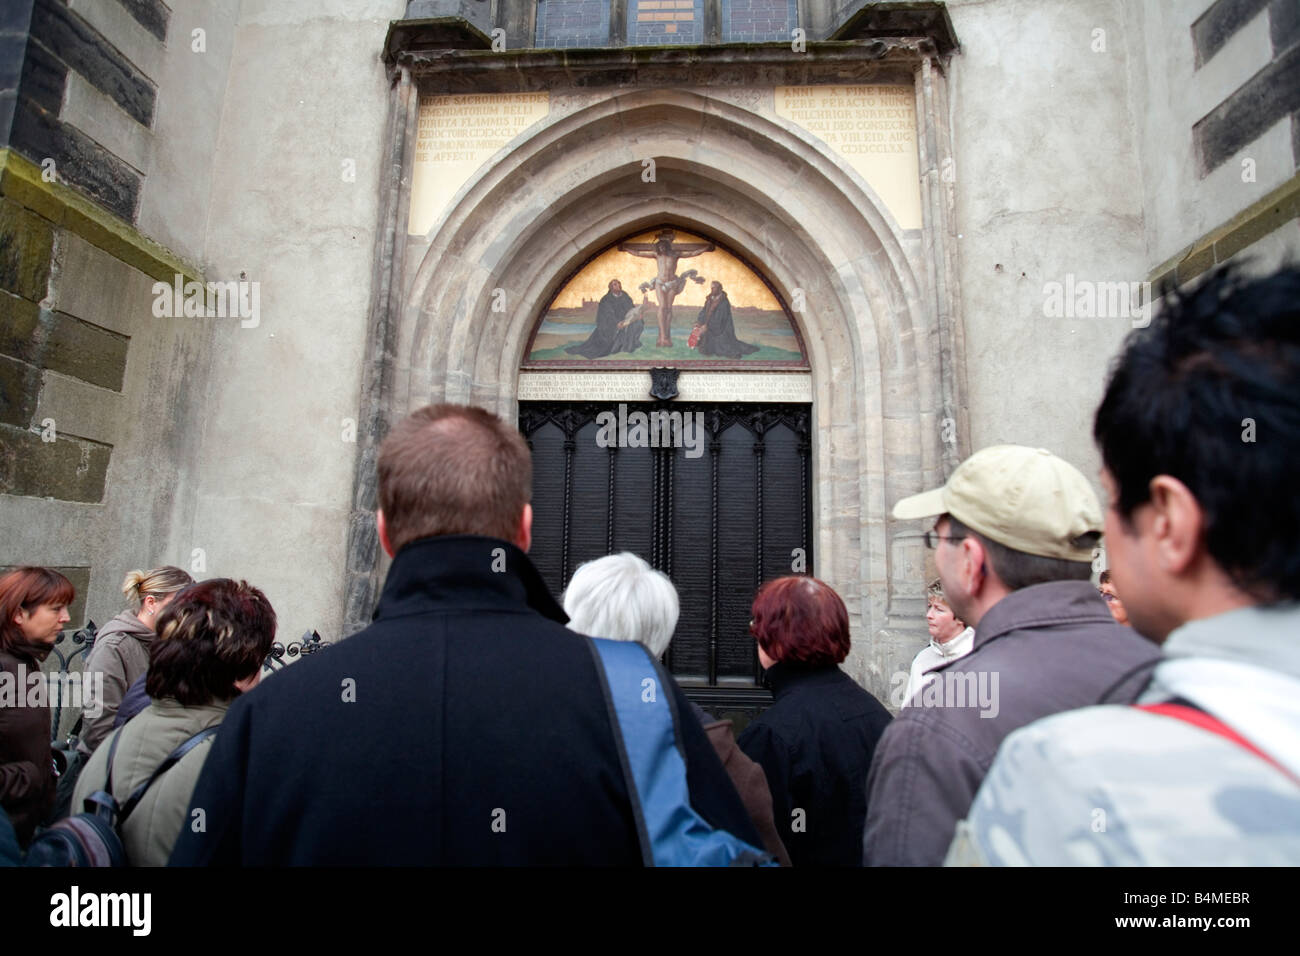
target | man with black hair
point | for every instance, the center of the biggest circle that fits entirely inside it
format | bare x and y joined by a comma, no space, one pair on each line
1199,432
1014,537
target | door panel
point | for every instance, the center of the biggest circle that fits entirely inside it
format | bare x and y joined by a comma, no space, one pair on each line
718,524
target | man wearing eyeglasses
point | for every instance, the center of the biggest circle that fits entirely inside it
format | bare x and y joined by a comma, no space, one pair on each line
1014,533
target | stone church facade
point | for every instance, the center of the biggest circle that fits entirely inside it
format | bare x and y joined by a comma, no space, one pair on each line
958,205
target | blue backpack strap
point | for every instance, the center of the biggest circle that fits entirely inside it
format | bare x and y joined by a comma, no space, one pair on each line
643,715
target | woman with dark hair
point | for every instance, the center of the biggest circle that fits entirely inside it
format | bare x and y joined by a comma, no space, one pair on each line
816,741
212,639
33,609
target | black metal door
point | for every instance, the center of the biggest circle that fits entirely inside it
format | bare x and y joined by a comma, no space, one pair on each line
719,519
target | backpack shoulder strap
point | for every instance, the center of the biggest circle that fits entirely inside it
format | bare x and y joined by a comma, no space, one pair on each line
1128,688
112,752
643,715
1181,709
609,655
168,762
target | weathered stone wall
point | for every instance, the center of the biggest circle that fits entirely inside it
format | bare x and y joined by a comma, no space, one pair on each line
1224,85
1048,185
104,192
293,206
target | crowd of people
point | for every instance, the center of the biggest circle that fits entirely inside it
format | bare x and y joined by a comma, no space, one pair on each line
479,721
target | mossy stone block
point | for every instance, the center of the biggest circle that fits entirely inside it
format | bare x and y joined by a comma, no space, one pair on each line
26,247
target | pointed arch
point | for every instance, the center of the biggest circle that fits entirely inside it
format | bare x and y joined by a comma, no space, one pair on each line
543,207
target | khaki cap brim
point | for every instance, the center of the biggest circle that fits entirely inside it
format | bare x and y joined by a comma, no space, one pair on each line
1025,499
925,505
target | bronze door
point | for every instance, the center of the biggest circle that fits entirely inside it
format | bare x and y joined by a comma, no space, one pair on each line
718,513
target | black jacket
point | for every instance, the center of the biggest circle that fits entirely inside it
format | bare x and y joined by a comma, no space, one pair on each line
815,743
27,780
465,726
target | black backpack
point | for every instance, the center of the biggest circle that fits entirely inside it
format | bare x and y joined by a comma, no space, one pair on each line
93,838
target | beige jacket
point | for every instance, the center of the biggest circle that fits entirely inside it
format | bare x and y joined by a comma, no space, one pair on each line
121,654
151,830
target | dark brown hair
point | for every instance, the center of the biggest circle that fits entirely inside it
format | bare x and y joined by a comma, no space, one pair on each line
453,469
211,634
801,620
26,588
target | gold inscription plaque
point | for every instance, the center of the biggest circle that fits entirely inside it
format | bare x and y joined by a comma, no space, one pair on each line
692,386
456,135
873,128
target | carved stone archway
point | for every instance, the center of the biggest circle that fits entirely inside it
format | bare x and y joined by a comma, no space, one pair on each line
529,219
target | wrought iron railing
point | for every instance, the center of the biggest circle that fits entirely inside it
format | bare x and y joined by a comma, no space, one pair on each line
281,655
83,640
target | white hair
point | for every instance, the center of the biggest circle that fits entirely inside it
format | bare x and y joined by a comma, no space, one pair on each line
621,597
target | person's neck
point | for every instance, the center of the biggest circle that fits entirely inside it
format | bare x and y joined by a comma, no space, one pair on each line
990,595
958,632
1207,593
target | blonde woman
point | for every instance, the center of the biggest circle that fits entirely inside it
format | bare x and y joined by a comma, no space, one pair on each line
121,651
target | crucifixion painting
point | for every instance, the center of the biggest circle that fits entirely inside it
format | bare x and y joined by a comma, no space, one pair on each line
725,314
667,284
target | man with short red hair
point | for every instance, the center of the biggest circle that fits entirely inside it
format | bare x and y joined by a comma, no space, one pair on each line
466,725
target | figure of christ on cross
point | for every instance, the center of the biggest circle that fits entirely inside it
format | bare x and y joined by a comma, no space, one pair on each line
667,284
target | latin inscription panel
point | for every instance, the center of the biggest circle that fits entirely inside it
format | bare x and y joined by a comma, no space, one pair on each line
692,386
873,128
455,136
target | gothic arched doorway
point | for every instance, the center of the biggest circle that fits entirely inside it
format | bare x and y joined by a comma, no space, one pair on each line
717,494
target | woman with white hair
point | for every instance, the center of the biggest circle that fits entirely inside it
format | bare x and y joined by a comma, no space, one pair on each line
622,598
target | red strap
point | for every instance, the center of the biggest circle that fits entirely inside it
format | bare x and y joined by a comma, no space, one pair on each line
1199,718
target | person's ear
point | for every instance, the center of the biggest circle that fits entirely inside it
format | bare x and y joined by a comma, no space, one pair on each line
383,533
1177,523
974,571
524,537
249,682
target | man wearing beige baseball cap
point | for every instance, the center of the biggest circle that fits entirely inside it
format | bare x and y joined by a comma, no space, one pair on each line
1014,535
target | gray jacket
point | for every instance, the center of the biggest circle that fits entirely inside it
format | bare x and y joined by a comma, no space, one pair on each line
151,830
1121,786
121,654
1040,650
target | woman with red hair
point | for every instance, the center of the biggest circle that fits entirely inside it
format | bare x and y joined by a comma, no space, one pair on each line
33,609
816,741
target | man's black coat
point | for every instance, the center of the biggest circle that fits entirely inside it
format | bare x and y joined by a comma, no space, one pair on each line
466,725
